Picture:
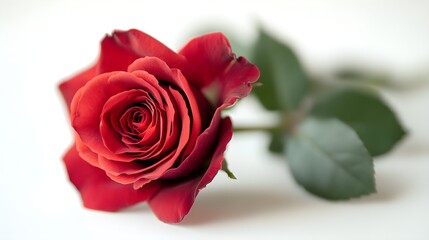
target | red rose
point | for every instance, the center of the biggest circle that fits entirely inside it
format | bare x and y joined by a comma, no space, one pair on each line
148,122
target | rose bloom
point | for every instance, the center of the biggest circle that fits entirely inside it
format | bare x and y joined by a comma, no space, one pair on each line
147,121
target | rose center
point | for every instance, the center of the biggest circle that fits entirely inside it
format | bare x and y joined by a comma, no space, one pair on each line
138,117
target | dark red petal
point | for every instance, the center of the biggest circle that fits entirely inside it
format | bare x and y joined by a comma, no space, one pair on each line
69,87
173,201
114,56
126,46
222,76
236,81
202,148
210,54
98,191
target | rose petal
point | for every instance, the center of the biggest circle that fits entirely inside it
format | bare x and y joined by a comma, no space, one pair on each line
113,56
210,54
174,200
98,191
140,45
202,148
69,87
86,153
236,81
221,75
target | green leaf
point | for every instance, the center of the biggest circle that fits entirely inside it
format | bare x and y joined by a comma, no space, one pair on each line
365,112
284,82
226,170
328,159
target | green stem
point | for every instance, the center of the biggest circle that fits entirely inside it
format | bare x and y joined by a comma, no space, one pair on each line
287,123
258,128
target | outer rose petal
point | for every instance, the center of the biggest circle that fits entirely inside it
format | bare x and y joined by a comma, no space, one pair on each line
236,82
221,74
69,88
98,191
173,201
114,57
211,54
123,47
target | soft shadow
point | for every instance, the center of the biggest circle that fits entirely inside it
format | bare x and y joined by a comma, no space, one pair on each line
138,208
236,204
232,205
389,188
411,146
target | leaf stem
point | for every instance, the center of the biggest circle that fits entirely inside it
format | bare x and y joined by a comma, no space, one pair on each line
258,129
286,123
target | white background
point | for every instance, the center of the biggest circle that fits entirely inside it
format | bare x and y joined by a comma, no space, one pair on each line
45,41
